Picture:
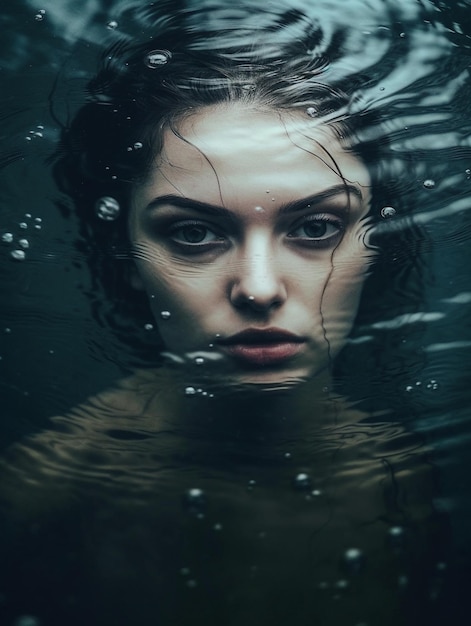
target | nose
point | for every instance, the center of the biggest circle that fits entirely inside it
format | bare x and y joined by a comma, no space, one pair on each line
258,284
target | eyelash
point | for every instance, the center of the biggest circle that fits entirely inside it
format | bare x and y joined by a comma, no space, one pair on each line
197,247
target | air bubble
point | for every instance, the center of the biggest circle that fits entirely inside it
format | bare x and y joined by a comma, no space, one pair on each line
396,536
468,174
217,527
353,559
7,237
23,243
194,500
316,493
39,16
199,360
157,58
388,211
429,183
23,225
107,208
148,327
165,315
112,25
27,620
137,145
311,111
38,220
409,388
190,391
302,481
18,255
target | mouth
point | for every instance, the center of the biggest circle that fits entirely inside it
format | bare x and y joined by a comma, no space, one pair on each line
262,348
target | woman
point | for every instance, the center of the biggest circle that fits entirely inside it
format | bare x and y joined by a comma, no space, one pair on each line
245,191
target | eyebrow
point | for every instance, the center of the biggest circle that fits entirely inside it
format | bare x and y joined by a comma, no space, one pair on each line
289,207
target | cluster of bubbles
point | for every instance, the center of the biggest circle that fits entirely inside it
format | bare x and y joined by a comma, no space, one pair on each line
197,391
37,133
40,15
107,209
157,58
21,243
431,385
137,145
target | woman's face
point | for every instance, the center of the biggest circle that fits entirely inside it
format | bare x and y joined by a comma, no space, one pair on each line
249,232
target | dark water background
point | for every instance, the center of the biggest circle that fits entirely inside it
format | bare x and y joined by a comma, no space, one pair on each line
55,347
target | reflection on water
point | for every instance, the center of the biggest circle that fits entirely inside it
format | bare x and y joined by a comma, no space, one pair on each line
118,513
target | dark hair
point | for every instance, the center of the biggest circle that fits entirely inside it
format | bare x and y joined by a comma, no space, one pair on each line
182,61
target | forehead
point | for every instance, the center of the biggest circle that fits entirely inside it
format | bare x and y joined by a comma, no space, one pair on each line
235,150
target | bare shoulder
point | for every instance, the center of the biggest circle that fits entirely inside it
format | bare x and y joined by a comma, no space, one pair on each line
42,469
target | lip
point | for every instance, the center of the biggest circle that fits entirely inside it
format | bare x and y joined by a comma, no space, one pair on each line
263,347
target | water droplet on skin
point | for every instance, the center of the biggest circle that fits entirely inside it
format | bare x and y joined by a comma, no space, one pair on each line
137,145
190,391
23,243
112,25
165,315
18,255
107,208
148,327
157,58
302,481
388,211
429,183
199,360
7,237
259,209
353,559
311,111
23,225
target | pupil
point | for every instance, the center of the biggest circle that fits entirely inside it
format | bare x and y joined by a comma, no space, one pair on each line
194,234
315,229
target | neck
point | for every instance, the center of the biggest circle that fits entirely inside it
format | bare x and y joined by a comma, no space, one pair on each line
255,413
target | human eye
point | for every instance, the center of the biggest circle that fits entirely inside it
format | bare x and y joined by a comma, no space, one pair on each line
193,236
318,231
